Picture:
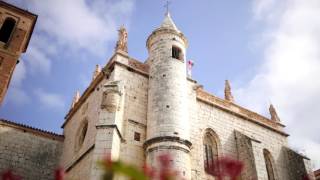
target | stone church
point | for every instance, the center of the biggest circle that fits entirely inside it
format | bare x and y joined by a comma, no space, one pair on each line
137,110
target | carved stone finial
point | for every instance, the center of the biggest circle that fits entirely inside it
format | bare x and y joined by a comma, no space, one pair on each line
96,71
273,113
227,92
122,43
75,99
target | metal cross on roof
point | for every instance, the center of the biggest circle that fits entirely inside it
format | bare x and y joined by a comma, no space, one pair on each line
167,6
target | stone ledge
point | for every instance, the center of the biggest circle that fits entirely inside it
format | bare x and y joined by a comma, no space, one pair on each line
106,126
168,147
79,158
137,123
167,138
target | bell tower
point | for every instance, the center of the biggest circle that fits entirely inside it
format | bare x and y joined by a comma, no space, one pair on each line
167,121
16,27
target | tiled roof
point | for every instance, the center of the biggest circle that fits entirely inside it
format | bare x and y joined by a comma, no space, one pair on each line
33,130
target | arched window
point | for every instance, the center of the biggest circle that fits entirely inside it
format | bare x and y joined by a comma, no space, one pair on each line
7,29
210,148
81,135
269,165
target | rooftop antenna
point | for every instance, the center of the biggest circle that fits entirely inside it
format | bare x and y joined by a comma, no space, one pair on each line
167,7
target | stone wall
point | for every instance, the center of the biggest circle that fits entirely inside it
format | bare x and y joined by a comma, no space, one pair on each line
245,155
299,165
119,137
74,156
7,65
204,115
135,114
81,169
29,153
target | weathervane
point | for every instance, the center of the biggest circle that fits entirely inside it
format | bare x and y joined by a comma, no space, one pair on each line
167,7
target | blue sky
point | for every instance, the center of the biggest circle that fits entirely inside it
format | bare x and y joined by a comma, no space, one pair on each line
268,49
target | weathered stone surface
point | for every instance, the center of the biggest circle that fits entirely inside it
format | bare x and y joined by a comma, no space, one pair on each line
27,152
171,114
137,111
299,165
245,155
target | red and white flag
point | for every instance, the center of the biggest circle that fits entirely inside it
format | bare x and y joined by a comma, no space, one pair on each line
189,68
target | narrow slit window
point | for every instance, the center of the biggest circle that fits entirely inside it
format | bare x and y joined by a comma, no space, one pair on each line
7,29
176,53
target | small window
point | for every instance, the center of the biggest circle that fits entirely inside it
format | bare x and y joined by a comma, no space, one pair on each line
7,29
136,136
176,53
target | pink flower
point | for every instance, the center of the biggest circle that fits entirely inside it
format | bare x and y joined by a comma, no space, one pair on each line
225,167
107,161
59,174
148,171
166,171
8,175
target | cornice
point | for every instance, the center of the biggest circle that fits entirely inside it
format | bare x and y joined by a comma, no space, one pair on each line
239,111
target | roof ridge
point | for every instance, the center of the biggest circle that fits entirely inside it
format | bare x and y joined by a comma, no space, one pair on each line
5,121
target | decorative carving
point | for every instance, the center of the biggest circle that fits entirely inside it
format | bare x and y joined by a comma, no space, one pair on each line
96,71
122,43
75,99
111,96
273,113
227,92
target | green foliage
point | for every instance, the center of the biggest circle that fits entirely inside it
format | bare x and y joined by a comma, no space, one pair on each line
117,167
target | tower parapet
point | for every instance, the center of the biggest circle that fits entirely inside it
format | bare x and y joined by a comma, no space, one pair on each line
168,126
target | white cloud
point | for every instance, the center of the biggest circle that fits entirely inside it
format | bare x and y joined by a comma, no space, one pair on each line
17,97
289,75
50,100
79,24
16,94
73,28
18,74
37,60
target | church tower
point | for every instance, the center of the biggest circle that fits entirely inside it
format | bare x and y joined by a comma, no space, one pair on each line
167,119
16,26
